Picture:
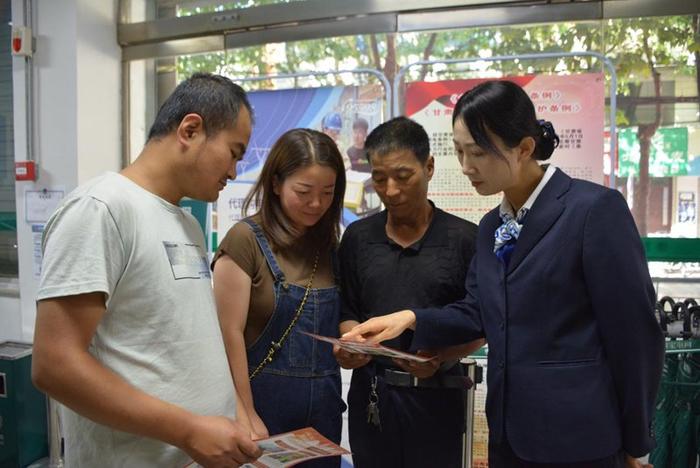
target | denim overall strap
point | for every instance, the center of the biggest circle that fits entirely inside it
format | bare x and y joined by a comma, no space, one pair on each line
301,385
266,250
299,355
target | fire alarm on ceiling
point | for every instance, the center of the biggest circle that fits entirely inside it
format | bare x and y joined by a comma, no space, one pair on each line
21,41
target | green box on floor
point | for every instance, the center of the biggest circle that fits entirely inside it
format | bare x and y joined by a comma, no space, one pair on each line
23,437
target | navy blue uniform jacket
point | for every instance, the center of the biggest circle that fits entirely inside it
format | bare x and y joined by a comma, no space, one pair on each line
575,352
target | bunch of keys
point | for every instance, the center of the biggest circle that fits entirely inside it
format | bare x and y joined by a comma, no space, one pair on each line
373,406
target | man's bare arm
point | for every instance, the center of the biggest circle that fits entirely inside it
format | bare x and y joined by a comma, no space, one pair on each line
66,371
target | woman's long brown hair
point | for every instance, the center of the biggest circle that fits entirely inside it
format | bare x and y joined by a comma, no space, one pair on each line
294,150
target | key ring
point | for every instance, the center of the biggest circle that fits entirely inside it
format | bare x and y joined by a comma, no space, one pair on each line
373,397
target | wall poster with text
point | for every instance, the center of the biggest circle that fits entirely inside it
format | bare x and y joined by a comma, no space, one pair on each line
575,104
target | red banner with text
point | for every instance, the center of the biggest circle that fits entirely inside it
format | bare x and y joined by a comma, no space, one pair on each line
575,104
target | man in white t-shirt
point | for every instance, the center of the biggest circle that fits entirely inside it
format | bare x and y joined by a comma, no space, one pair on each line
127,335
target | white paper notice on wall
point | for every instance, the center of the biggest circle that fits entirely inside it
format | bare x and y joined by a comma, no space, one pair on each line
39,205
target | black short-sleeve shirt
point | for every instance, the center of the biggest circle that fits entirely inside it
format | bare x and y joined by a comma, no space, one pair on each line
379,277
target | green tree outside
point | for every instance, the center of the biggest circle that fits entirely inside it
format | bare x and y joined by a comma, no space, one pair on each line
640,48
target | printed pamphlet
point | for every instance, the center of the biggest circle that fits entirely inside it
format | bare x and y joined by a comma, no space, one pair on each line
371,349
291,448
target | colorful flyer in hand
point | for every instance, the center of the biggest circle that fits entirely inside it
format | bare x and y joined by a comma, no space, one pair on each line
371,349
291,448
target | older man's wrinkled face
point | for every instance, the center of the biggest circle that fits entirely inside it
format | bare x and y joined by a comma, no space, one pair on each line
401,181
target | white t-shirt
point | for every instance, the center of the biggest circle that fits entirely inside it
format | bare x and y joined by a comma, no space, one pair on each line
160,331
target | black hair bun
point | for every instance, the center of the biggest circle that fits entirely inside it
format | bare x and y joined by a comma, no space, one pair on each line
548,141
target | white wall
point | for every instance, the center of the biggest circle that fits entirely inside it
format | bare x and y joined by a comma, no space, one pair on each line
99,89
10,319
77,113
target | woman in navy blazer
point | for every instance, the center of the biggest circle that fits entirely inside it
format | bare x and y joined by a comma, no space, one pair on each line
560,289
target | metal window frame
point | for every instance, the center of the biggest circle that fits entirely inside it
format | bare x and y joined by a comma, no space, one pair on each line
270,16
313,19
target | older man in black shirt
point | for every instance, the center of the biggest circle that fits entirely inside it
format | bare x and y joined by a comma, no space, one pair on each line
411,255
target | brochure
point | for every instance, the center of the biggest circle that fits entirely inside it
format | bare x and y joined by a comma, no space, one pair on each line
291,448
371,349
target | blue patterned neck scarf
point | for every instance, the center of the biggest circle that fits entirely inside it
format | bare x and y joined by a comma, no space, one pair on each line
507,234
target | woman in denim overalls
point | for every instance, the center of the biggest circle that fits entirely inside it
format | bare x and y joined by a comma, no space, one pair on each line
286,380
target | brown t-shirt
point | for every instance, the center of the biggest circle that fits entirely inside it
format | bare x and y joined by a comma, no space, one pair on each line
296,263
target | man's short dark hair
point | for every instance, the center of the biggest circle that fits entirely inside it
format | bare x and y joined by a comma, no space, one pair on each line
399,133
360,122
215,98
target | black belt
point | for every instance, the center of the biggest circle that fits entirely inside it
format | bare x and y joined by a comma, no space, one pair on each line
405,379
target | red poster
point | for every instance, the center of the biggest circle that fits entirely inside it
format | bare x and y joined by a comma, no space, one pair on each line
575,104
